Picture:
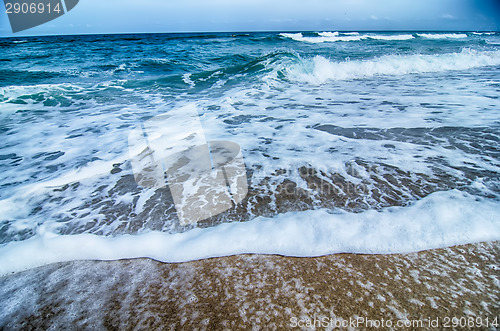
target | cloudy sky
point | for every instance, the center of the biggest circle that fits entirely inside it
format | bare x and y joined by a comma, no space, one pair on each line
139,16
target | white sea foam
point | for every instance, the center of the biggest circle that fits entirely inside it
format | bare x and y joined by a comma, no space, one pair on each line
273,120
329,34
483,33
186,78
319,69
324,37
350,36
442,35
14,91
291,35
392,37
439,220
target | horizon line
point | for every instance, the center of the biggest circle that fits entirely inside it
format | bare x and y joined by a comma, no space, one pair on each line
239,32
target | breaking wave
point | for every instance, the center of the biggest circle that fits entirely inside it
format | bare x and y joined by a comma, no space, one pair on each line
319,69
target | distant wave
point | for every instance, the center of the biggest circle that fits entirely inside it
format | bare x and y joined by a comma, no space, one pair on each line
336,33
349,36
319,70
483,33
355,36
324,37
442,35
392,37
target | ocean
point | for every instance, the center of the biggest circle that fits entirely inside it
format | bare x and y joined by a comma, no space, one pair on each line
317,143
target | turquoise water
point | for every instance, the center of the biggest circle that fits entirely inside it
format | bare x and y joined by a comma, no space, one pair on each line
327,122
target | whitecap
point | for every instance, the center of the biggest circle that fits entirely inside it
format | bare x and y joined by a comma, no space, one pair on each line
319,70
440,220
392,37
442,35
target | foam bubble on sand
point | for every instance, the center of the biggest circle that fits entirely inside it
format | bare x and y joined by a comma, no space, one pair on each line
442,219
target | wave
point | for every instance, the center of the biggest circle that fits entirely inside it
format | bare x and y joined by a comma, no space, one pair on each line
234,68
9,77
329,34
326,37
291,35
349,36
483,33
355,36
319,70
462,219
442,35
336,33
392,37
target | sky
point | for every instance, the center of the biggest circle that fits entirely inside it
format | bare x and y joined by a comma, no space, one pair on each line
144,16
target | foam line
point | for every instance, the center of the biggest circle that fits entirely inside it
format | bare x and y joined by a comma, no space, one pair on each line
440,220
318,70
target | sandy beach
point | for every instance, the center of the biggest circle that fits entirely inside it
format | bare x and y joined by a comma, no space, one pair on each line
424,290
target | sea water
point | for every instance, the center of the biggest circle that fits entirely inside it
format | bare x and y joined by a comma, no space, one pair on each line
357,142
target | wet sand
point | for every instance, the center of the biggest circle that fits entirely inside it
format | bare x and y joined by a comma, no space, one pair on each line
258,292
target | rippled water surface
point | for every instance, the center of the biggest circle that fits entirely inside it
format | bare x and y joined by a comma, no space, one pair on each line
341,124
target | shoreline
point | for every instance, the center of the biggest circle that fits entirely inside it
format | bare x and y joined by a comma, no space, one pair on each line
245,291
